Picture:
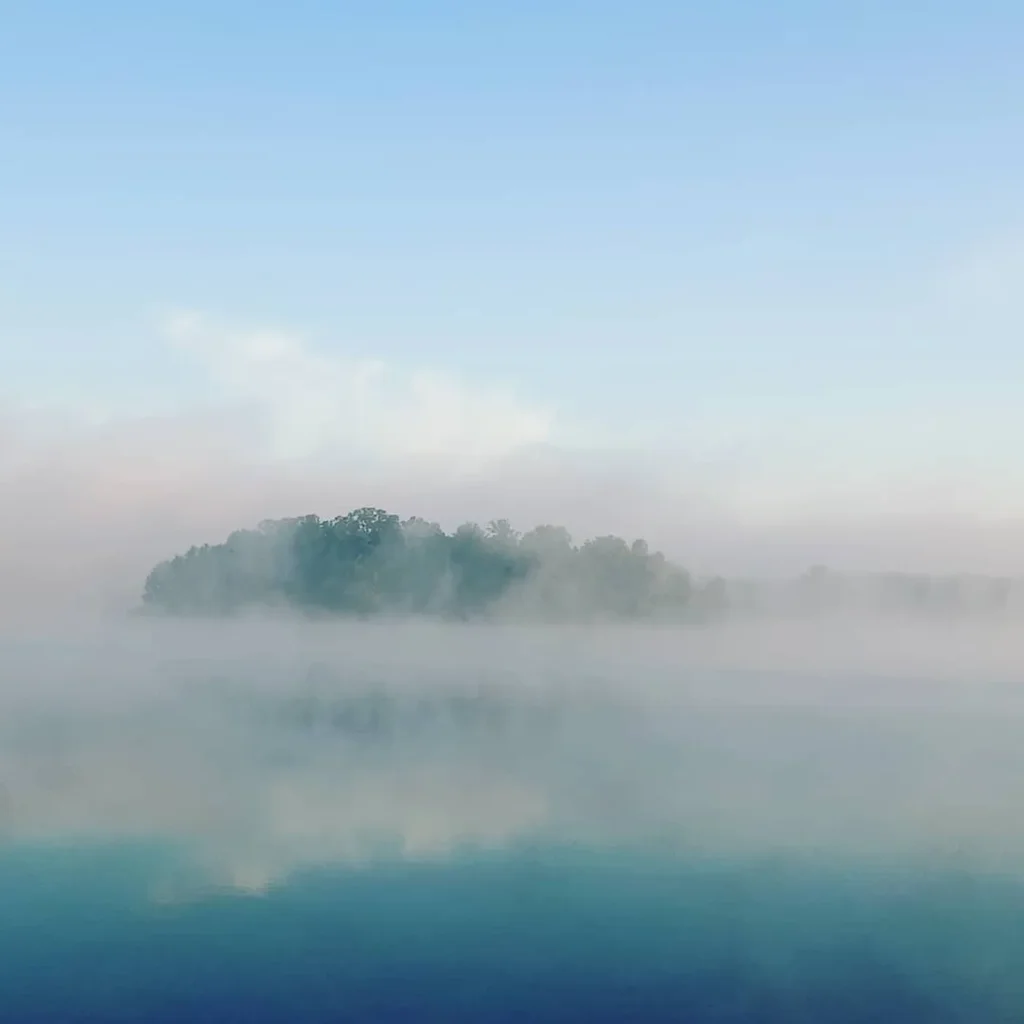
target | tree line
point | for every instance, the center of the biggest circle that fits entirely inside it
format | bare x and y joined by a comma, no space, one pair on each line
370,562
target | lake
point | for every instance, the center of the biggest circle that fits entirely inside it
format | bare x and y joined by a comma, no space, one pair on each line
291,824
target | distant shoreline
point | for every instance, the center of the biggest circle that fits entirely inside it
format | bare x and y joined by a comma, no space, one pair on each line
369,565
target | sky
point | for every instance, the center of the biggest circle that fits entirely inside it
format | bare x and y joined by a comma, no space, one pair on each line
770,253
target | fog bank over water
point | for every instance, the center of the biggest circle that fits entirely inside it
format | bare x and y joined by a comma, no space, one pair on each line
91,504
267,746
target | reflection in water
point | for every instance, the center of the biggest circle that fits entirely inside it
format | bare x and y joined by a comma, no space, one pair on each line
554,839
528,933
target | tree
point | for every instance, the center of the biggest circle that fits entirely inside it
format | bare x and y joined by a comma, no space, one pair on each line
368,562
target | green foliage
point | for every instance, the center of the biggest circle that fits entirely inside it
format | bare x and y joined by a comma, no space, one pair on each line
368,563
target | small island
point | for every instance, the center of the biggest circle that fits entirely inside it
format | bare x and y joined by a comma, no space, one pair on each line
372,563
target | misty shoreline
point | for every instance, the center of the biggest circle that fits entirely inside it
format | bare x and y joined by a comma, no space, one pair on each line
370,564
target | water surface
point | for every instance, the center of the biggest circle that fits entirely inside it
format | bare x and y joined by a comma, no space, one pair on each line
315,826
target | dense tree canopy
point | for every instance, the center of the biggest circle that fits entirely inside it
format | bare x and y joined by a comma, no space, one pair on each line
369,562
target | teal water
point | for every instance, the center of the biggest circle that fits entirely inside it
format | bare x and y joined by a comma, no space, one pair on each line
534,933
230,837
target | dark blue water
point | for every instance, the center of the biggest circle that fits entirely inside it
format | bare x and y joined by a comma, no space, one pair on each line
534,933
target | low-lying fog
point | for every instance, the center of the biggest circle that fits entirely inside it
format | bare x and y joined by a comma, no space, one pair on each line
269,745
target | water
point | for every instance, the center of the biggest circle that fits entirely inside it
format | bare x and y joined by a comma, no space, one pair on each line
310,826
535,933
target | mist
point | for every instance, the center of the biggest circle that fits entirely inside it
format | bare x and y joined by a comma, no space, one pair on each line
801,769
272,745
90,506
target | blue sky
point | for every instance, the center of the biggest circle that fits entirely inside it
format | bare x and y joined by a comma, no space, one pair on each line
793,226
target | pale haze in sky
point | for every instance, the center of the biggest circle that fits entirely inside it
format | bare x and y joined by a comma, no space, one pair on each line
743,278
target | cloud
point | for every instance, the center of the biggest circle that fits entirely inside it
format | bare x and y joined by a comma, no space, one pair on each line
312,403
91,502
